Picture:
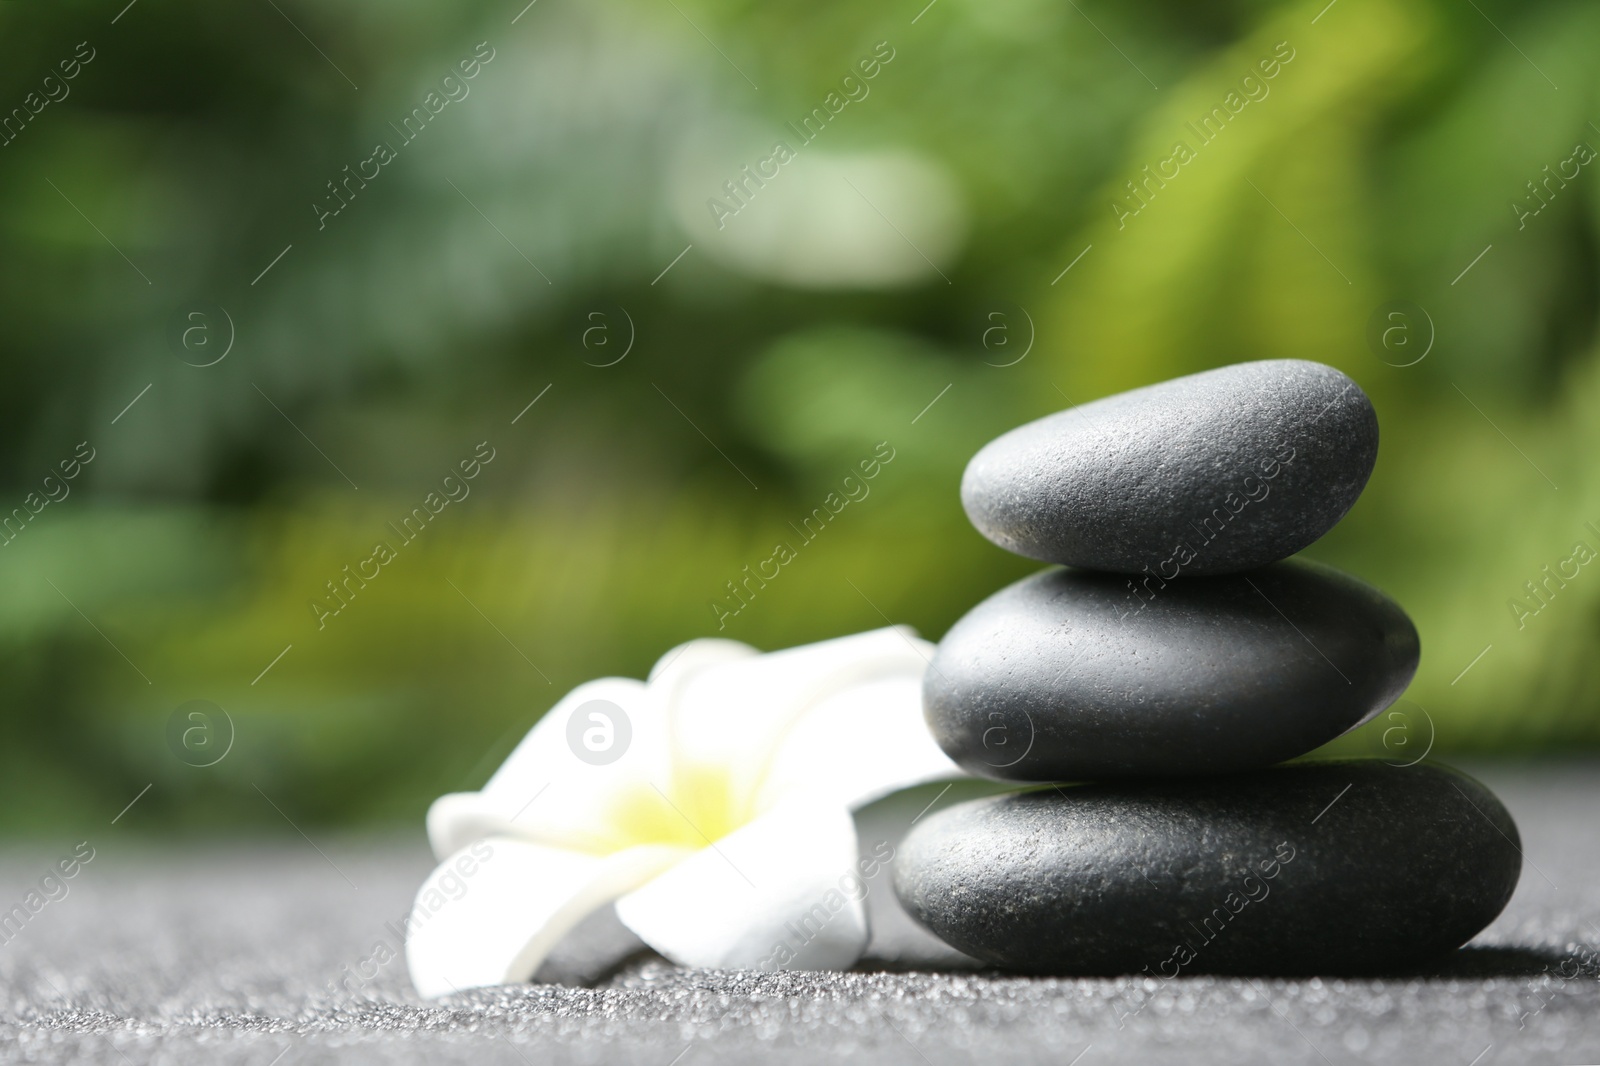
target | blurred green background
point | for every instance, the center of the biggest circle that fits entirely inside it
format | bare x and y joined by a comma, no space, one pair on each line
912,252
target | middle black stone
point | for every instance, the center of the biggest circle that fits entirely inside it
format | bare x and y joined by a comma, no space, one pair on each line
1072,675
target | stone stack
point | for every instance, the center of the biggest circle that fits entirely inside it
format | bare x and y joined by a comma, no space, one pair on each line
1164,667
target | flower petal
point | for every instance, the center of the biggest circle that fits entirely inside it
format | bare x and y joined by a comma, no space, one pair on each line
734,716
548,791
491,912
695,655
780,893
857,746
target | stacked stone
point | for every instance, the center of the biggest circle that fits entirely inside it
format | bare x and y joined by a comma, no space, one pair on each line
1165,668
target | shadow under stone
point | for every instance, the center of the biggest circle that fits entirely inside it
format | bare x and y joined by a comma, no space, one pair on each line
1486,961
1474,962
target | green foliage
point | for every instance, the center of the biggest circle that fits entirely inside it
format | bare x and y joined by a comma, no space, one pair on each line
450,290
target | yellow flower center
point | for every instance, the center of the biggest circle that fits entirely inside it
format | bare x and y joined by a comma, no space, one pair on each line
696,807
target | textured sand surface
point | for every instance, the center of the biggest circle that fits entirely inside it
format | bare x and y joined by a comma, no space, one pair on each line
232,954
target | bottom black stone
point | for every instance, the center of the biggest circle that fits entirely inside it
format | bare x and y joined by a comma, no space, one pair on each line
1342,867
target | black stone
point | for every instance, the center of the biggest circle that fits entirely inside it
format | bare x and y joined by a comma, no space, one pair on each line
1072,675
1207,474
1320,868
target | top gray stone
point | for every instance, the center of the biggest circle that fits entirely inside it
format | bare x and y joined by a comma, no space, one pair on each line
1213,473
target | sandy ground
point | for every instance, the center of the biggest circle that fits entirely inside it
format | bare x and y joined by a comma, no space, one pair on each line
234,954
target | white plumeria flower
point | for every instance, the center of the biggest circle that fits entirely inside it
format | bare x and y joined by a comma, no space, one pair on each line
721,828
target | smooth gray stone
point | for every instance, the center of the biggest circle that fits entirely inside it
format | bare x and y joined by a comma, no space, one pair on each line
1335,868
1073,675
1207,474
